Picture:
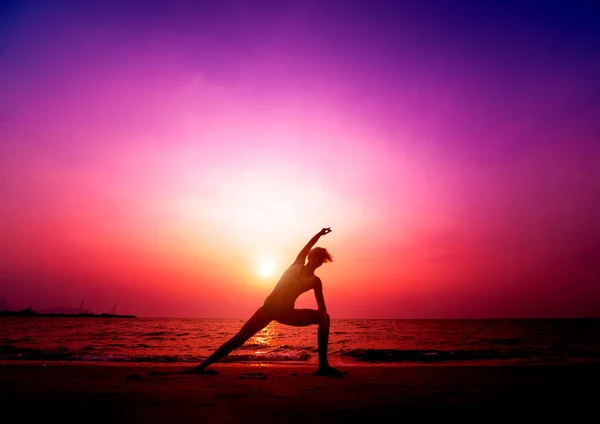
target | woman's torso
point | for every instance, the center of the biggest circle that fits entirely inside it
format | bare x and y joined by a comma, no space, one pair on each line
292,284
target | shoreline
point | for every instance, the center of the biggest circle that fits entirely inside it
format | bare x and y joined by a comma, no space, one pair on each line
306,364
100,393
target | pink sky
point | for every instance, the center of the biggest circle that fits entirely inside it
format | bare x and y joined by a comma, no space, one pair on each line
156,163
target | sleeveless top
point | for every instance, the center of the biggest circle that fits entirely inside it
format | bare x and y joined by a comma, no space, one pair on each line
291,285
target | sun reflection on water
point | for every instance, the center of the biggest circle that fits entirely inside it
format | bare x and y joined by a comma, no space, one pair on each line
265,337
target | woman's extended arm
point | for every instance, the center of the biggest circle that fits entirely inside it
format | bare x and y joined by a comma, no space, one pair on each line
319,297
301,258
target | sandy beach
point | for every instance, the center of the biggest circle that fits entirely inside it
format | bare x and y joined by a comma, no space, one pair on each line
283,393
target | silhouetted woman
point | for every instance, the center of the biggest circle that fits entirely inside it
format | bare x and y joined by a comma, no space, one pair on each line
279,306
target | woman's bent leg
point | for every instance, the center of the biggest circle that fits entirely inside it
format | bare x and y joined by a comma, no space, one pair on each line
304,317
257,322
323,339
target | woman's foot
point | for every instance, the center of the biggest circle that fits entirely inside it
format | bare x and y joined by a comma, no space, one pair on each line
329,371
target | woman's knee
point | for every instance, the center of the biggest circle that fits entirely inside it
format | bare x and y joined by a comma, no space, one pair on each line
324,318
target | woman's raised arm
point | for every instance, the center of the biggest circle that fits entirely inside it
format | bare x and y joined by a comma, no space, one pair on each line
301,258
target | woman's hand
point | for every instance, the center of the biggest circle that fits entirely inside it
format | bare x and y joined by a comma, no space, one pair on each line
325,231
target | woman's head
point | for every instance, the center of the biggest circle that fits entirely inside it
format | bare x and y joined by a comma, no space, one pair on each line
318,256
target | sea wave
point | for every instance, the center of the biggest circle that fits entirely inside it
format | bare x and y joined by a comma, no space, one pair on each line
8,352
417,355
352,342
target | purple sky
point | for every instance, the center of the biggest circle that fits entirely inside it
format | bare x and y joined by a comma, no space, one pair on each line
156,153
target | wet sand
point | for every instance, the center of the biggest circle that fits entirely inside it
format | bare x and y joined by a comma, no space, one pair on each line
75,392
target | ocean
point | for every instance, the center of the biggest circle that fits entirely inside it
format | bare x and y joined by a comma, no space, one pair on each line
352,342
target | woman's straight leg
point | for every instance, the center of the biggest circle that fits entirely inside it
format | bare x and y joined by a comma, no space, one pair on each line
257,322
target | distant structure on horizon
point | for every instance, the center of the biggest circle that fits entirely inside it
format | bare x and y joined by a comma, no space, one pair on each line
81,313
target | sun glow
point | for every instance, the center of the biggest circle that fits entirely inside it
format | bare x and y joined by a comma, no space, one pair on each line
266,268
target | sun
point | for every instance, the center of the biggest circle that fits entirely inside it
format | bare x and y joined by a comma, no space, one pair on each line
266,268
